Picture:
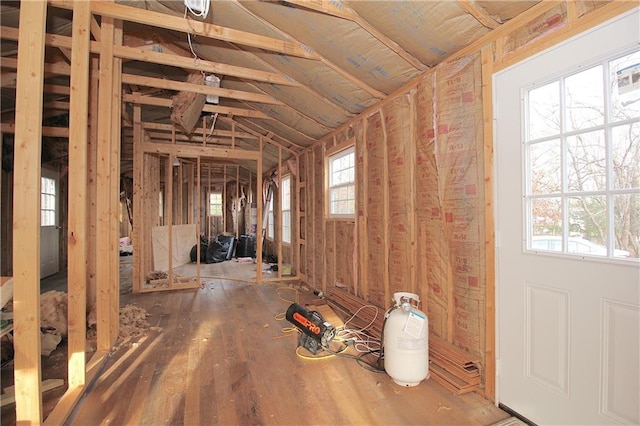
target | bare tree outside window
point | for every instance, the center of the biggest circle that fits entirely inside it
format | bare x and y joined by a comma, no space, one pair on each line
583,161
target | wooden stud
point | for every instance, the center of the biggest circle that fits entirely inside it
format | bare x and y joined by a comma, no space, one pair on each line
364,258
168,214
138,198
26,212
77,218
489,225
278,214
385,208
236,203
114,189
224,198
412,214
92,164
259,216
103,200
198,191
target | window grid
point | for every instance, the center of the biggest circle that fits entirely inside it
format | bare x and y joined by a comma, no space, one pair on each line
342,199
286,209
47,202
580,206
215,204
270,227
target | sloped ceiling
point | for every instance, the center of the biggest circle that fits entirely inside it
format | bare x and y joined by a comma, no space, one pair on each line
334,58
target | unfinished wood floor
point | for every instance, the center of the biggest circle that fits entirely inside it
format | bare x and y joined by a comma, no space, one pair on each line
220,360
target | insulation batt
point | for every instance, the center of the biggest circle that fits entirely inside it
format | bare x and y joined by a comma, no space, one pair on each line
53,311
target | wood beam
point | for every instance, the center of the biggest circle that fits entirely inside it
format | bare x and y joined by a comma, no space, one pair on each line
26,213
479,13
193,151
149,100
77,218
58,132
103,202
258,134
162,83
146,55
190,26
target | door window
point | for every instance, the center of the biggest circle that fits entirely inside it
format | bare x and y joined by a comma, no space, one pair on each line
582,156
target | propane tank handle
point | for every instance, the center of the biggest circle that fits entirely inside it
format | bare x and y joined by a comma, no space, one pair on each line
397,297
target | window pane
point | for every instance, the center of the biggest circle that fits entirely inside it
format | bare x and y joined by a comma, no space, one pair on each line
627,225
546,216
586,164
584,99
544,111
625,141
588,224
625,82
545,159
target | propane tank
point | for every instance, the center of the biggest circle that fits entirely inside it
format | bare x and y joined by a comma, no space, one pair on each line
406,341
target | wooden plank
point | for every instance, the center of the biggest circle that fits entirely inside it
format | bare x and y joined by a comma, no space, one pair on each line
92,164
103,200
220,109
385,206
412,214
259,216
164,83
58,132
489,225
78,197
138,217
187,106
190,26
193,151
180,238
26,212
159,58
9,393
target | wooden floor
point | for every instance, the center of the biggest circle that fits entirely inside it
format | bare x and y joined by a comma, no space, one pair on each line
221,359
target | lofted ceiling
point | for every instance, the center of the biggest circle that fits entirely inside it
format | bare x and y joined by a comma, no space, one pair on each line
291,71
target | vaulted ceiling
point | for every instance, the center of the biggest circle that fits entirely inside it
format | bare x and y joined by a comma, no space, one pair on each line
290,71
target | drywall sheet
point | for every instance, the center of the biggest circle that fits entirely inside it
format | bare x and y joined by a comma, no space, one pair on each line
397,122
460,183
376,219
545,24
183,239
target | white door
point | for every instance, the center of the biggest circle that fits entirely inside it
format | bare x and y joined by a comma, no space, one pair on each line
49,221
567,233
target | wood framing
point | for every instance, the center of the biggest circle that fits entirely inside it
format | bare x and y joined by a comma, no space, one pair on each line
26,213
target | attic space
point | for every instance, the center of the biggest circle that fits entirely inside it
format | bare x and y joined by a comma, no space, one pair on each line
212,211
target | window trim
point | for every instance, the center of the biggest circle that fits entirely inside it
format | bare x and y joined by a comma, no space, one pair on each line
330,154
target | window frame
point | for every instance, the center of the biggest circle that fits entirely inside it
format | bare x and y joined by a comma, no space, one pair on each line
286,234
331,155
48,213
221,204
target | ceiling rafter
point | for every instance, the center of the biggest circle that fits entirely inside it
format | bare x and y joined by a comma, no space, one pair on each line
232,121
362,85
340,10
190,26
146,55
167,84
220,109
479,13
